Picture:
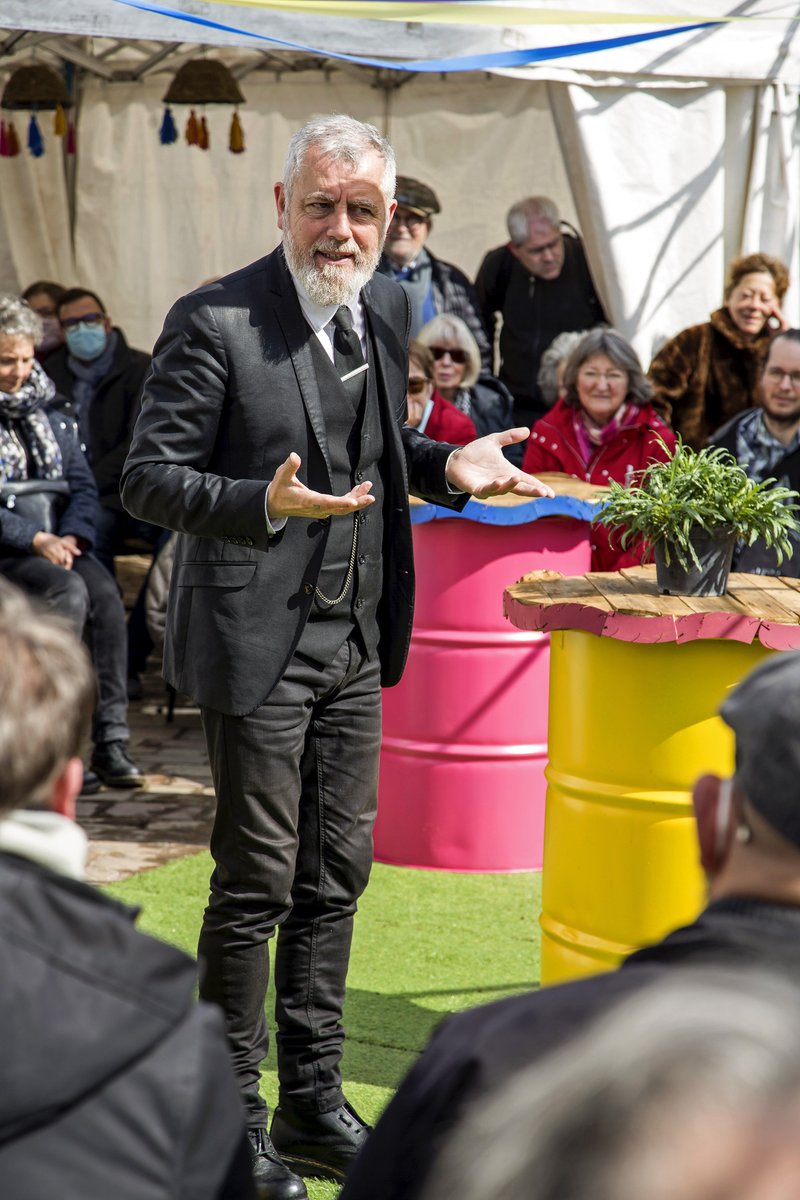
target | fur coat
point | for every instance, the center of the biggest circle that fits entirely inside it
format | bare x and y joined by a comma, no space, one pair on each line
706,375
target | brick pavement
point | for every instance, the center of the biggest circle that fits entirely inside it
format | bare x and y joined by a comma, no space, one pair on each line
131,829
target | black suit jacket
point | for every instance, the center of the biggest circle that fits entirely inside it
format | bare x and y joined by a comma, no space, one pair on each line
231,393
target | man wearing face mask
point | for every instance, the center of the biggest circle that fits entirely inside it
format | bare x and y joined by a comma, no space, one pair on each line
102,377
43,297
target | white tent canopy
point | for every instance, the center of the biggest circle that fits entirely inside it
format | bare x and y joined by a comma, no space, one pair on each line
672,155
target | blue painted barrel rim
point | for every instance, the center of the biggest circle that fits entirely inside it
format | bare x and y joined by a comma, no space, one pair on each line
512,514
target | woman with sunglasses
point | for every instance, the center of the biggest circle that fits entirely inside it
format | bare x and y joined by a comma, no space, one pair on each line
458,378
428,411
603,427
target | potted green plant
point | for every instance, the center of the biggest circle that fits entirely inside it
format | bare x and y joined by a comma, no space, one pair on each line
690,512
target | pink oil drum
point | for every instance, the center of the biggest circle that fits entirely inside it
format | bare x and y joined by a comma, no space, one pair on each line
464,747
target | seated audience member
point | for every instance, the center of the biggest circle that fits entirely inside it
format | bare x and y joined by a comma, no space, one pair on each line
539,284
102,379
115,1081
690,1089
457,375
709,373
766,442
38,441
428,411
432,285
605,428
43,297
554,364
748,832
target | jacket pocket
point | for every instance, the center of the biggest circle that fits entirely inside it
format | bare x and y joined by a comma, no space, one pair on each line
215,574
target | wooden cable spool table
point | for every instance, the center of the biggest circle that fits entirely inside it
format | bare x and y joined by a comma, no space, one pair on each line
636,679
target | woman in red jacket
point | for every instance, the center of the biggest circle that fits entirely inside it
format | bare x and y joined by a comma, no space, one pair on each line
428,411
604,428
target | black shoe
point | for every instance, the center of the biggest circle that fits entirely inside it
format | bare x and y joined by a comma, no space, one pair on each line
135,689
111,762
273,1179
321,1145
91,783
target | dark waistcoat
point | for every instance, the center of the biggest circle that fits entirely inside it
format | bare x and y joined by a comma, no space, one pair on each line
355,446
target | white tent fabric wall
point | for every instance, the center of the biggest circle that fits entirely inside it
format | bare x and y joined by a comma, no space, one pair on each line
35,215
670,184
154,221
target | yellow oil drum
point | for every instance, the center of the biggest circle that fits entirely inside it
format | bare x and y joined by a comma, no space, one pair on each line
632,726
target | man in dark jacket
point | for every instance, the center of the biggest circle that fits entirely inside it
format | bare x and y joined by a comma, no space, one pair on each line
766,443
539,283
749,837
115,1081
432,285
101,378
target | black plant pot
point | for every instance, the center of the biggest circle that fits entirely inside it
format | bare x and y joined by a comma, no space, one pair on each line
715,552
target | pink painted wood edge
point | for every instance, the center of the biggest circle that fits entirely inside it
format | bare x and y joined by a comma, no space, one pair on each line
629,628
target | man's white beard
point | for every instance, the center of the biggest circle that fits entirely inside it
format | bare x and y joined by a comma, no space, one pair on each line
329,284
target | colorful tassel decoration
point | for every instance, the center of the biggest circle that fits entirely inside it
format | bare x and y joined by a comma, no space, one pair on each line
236,140
70,138
192,129
59,122
203,140
168,133
3,140
13,140
35,141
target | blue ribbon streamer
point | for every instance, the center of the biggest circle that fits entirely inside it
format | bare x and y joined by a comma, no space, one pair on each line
509,514
477,62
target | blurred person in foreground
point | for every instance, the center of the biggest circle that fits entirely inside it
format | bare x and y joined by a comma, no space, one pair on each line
709,373
115,1081
603,428
748,830
689,1089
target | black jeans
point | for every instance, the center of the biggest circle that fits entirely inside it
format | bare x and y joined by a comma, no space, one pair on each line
296,785
88,597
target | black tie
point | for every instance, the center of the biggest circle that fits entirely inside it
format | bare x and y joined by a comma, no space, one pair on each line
347,354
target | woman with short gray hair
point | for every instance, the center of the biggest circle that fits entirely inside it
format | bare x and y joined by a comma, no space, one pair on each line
603,428
48,511
457,375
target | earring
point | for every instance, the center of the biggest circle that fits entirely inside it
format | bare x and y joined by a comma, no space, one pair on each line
744,834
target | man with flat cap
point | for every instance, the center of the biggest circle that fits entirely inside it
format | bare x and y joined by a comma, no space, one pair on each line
432,285
272,437
748,831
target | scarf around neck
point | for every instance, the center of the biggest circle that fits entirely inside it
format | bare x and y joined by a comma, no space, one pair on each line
589,435
28,446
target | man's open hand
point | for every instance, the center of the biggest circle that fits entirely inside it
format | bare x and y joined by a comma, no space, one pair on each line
289,497
481,469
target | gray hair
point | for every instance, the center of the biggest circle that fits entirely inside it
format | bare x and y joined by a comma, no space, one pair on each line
17,319
344,139
532,208
449,328
622,354
670,1076
47,685
559,349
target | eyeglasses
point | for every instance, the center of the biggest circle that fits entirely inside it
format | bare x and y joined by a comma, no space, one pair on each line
411,220
90,319
776,375
457,356
612,378
537,251
417,386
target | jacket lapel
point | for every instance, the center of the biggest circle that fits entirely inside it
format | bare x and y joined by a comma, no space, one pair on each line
297,333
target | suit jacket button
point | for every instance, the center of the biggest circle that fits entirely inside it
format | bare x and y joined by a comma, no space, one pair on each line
359,603
307,588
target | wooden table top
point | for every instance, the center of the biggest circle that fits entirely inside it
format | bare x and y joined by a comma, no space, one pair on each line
627,605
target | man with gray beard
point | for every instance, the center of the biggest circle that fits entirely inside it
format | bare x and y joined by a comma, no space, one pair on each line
272,438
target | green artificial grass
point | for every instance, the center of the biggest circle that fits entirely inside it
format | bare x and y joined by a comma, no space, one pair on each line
426,944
